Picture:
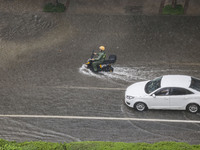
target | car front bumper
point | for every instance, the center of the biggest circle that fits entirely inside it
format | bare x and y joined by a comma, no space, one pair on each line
129,103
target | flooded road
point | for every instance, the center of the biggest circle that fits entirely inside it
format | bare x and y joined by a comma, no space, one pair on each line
50,79
130,75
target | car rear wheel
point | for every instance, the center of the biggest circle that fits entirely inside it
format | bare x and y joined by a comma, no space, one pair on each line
140,106
193,108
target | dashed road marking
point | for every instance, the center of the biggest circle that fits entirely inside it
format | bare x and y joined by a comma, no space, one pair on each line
100,118
187,64
91,88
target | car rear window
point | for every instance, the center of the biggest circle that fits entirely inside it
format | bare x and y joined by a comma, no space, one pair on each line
195,84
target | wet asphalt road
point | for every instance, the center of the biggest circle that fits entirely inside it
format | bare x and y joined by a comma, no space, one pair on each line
40,82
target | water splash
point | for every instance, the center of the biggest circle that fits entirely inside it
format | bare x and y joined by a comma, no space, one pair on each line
132,74
83,69
120,73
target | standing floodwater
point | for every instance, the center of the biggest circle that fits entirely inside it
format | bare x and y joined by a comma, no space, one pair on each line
132,74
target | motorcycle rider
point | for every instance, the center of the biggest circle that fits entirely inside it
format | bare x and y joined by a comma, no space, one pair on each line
100,59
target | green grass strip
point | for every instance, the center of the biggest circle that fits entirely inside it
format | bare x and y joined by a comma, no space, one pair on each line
169,10
50,7
40,145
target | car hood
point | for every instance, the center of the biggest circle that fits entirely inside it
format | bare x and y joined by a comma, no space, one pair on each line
137,89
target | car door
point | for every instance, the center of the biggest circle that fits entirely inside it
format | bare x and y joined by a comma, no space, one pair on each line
159,99
179,97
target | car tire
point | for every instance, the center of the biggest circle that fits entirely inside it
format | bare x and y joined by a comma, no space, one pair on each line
140,106
193,108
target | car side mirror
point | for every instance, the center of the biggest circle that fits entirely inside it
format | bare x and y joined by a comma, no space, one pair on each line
153,95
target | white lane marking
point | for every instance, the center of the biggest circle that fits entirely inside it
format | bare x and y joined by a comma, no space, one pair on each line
187,64
91,88
99,118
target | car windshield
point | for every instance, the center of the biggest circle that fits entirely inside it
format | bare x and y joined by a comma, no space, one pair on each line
195,84
153,85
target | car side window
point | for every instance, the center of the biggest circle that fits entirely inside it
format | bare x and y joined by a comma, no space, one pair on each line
180,91
162,92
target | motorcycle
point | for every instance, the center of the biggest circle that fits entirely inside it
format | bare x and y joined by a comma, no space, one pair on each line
105,66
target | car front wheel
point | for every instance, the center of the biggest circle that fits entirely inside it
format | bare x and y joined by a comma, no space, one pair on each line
193,108
140,106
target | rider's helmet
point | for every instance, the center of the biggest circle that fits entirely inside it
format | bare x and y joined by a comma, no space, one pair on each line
102,48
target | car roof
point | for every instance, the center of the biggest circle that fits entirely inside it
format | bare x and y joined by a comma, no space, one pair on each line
176,81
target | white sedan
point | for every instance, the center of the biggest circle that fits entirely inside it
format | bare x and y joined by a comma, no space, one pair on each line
172,92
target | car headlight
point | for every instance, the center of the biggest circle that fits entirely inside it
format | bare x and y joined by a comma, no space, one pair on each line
129,97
